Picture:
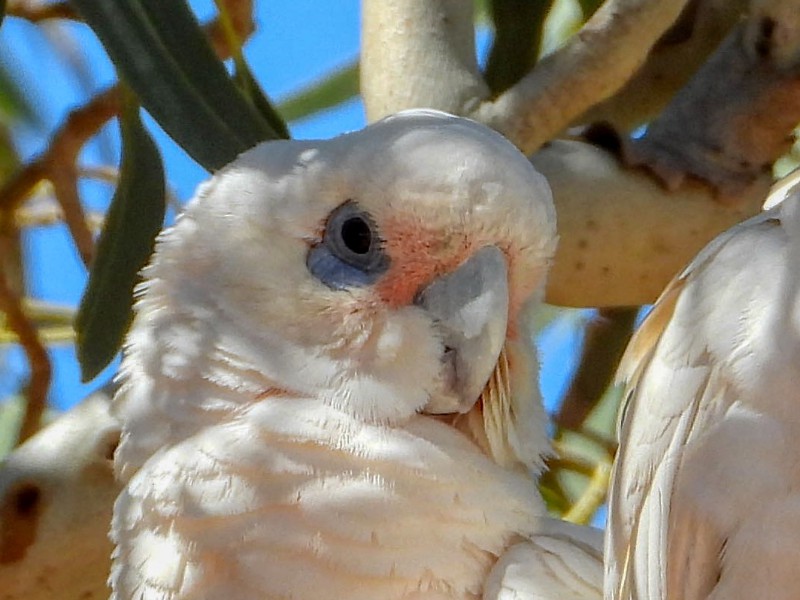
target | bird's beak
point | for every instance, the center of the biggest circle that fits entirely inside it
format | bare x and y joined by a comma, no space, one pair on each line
470,306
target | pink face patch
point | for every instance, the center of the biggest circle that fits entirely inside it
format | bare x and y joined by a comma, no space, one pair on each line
417,257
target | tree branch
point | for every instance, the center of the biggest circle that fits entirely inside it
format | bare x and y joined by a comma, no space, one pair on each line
735,117
672,61
622,236
591,66
84,122
419,53
429,47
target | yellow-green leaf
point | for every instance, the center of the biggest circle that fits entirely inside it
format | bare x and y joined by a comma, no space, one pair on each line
335,88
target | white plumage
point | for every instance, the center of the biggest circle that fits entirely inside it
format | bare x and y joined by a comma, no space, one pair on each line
300,325
705,498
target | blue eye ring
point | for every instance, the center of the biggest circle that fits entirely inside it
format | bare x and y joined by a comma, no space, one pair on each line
351,252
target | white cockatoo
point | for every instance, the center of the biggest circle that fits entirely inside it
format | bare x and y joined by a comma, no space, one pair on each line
705,497
305,404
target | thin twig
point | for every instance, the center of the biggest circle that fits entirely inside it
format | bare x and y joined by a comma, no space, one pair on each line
52,334
53,322
48,312
582,511
104,173
37,359
36,12
65,188
11,253
82,123
65,144
574,465
607,442
56,164
596,469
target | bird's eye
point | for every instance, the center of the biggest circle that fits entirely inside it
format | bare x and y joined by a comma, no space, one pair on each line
356,235
351,252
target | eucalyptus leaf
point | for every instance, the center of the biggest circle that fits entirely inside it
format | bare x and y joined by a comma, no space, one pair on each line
244,79
155,47
14,102
589,7
336,87
185,41
480,11
125,245
518,26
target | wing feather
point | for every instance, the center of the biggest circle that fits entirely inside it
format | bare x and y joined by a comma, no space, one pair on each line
681,374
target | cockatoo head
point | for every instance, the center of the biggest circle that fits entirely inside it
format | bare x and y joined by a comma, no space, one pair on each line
381,272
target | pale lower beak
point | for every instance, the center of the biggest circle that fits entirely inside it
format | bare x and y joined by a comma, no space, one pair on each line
470,307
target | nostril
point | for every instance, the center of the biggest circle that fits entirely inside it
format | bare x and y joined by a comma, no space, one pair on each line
27,499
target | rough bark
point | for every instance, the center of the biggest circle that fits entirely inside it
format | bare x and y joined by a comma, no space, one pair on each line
672,61
730,123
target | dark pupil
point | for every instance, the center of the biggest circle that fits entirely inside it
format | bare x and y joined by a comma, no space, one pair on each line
356,235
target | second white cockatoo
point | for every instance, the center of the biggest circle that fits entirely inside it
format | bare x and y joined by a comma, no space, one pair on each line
329,390
705,497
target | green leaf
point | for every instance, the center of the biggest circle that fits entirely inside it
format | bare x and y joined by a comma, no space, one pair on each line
589,7
161,53
518,26
126,243
2,10
9,162
249,86
14,103
181,34
480,11
335,88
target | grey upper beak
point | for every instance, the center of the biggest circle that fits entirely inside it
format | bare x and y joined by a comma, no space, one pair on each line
470,306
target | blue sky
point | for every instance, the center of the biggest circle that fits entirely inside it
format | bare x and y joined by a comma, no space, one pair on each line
296,42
